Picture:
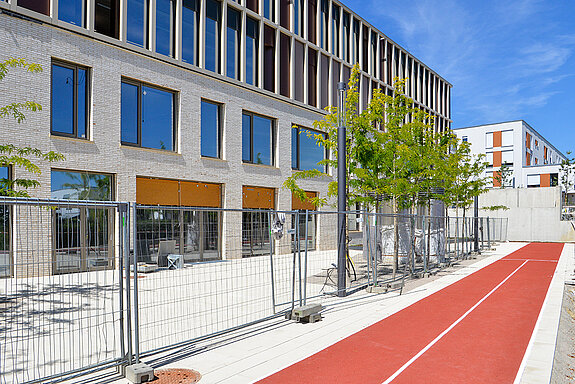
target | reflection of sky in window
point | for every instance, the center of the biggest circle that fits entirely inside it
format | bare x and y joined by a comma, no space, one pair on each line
262,140
82,104
70,11
246,137
163,26
129,113
211,48
209,135
62,99
294,132
157,118
189,24
3,172
80,186
232,54
250,60
309,152
136,23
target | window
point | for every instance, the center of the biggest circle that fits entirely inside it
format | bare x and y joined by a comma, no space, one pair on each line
298,6
346,30
285,13
165,16
258,139
106,17
252,46
211,134
5,228
136,20
147,116
311,21
270,9
72,11
489,158
533,181
507,157
306,154
506,138
82,236
464,139
269,58
335,30
212,49
301,230
489,140
256,238
40,6
70,100
324,20
554,179
233,44
355,42
190,23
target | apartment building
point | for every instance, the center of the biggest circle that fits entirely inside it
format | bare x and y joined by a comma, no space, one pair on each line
192,103
532,160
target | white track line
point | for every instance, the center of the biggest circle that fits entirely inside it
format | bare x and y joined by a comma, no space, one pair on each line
432,343
548,261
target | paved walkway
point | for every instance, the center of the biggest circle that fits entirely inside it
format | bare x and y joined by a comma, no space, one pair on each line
479,298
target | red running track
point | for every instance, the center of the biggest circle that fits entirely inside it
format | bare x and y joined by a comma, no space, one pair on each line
474,331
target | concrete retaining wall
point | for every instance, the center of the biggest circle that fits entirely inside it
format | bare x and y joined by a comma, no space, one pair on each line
534,213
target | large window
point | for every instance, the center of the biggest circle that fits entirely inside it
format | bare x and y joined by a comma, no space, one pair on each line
82,235
136,20
346,35
256,239
233,44
147,116
70,100
298,6
190,23
41,6
211,129
306,154
5,226
324,23
165,12
252,44
335,30
269,9
72,11
212,43
258,139
106,17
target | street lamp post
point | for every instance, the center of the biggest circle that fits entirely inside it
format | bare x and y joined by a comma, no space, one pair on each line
341,191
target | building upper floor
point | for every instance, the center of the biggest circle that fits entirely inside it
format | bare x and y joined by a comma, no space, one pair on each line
297,50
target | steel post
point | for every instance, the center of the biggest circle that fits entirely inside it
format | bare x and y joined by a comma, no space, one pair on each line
341,192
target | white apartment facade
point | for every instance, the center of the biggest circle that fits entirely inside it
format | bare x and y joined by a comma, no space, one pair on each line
533,160
193,103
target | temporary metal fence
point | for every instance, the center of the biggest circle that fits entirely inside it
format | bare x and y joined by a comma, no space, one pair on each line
90,285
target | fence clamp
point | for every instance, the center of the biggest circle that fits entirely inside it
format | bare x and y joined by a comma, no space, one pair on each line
139,373
306,314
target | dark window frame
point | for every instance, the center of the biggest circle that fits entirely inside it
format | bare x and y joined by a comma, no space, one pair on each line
273,139
299,128
8,230
75,68
220,134
140,84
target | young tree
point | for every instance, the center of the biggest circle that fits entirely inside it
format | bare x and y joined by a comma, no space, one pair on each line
567,178
503,176
20,157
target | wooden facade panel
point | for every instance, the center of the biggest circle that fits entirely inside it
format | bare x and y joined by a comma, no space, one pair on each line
497,139
157,191
303,205
545,180
497,159
258,198
200,194
496,182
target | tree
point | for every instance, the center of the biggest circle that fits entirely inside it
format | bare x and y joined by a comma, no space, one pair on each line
503,176
567,169
19,157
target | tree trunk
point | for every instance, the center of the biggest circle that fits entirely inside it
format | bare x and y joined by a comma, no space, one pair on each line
395,238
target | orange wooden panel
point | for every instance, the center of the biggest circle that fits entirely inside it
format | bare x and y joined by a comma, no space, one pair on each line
496,182
497,159
545,180
298,204
527,158
497,139
527,140
258,197
200,194
157,191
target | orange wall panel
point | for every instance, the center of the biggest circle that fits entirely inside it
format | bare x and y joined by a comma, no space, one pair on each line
497,159
298,204
496,182
497,139
157,191
545,180
200,194
258,197
527,158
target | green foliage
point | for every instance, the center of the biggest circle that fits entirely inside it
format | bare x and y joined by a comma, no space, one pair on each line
494,208
20,157
503,175
567,174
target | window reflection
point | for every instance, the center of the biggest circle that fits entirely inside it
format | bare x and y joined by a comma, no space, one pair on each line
190,22
72,11
233,44
164,26
212,49
69,112
306,154
252,30
211,131
258,139
136,22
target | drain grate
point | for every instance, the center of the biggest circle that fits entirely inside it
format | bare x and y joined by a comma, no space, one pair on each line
176,376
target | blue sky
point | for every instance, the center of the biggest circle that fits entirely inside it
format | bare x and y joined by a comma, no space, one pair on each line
507,60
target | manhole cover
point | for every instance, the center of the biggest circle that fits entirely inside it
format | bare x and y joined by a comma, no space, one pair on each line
176,376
